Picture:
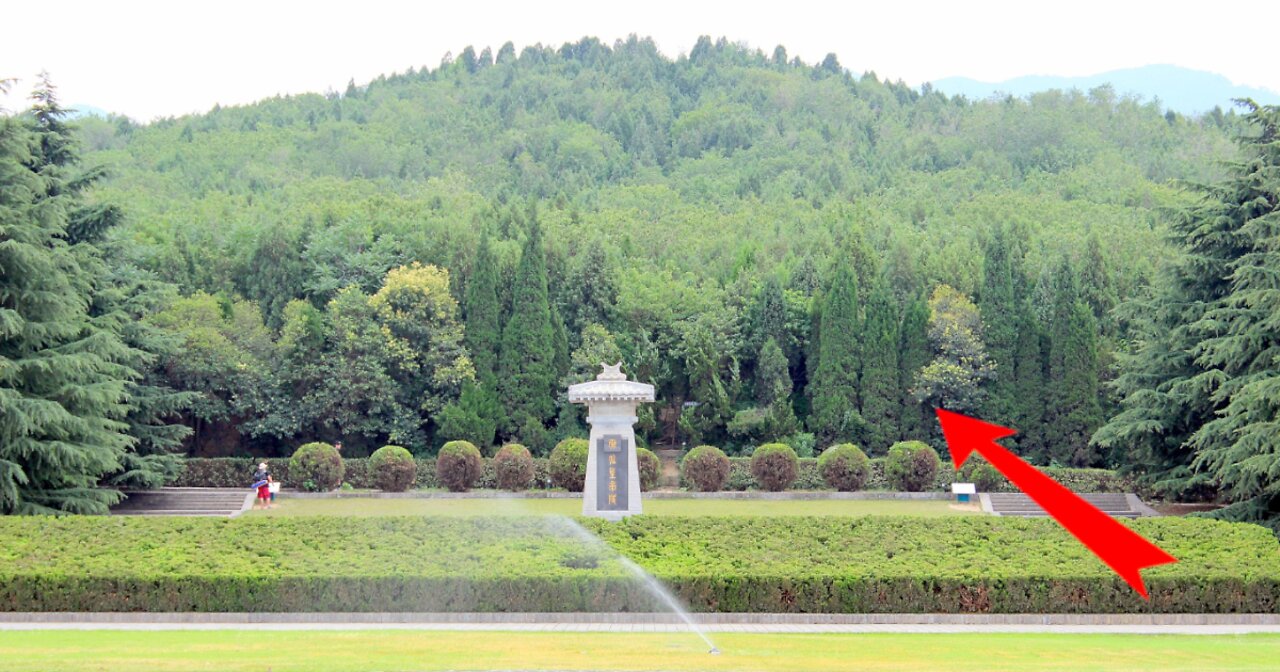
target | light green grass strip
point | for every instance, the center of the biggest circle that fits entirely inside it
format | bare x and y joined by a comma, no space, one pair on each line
337,651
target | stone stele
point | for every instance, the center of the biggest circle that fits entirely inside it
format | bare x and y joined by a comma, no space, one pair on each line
612,488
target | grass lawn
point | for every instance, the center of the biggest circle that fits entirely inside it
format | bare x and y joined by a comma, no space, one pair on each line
573,507
348,651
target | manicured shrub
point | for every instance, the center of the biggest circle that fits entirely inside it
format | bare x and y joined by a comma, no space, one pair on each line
706,468
650,468
569,464
513,467
316,467
981,474
459,465
774,466
796,564
393,468
911,466
844,467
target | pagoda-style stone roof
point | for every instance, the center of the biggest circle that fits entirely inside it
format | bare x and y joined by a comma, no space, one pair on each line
610,385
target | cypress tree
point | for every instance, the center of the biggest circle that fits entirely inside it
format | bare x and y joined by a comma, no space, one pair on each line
527,363
63,372
560,340
998,304
1074,412
773,379
484,315
1029,386
881,389
770,317
835,415
913,355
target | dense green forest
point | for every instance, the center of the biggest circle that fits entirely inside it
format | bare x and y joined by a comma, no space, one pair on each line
786,250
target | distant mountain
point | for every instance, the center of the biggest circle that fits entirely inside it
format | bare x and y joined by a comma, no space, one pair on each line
78,111
1181,89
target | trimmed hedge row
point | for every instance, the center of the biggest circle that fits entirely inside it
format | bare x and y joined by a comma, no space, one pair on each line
730,564
809,477
235,472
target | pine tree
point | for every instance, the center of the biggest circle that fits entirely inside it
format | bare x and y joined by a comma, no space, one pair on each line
881,389
527,362
63,372
1200,388
1241,446
155,407
913,354
483,314
835,415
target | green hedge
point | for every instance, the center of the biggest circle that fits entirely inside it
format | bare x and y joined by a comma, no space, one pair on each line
808,477
235,472
740,564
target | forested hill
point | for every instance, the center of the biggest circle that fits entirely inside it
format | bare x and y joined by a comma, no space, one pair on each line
697,217
726,159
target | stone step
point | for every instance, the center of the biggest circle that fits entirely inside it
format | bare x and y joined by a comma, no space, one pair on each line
176,512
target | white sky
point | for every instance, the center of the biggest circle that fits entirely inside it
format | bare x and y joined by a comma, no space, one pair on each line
149,59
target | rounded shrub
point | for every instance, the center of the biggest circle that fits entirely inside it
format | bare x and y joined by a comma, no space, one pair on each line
459,465
844,467
650,468
513,467
316,467
911,466
393,469
706,468
981,474
774,465
569,464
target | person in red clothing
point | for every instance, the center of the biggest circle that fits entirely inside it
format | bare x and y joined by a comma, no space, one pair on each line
262,481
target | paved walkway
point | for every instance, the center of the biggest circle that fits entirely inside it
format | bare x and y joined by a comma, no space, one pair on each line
1180,624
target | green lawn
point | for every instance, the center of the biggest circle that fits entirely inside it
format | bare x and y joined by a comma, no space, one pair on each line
348,651
573,507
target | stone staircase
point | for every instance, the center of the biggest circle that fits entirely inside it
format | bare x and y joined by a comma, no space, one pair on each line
224,502
1114,504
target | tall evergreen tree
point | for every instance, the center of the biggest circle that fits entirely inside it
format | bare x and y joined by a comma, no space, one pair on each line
1029,388
155,407
913,355
773,379
484,314
998,304
835,415
63,373
1073,412
881,390
527,362
1200,387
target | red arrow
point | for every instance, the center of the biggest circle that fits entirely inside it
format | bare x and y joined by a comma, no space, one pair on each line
1120,547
